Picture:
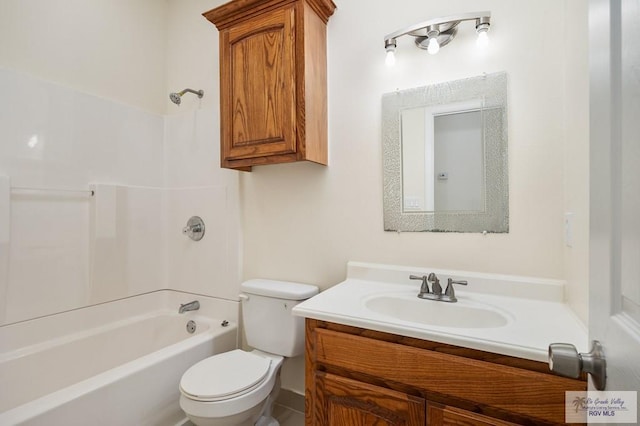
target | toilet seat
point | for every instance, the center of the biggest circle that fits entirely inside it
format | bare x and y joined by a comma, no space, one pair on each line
233,403
224,376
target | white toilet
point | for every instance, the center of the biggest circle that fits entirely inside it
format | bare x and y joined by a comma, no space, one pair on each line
238,387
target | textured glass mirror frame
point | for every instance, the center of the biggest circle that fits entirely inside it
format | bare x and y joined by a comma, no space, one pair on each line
491,89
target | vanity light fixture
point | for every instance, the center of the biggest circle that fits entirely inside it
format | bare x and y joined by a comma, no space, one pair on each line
390,47
433,34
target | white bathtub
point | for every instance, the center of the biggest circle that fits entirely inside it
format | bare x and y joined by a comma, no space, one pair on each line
117,363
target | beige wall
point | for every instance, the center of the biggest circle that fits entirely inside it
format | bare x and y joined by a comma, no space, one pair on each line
576,154
111,48
304,222
192,56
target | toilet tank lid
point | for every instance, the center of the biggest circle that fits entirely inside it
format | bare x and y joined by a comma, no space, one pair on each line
280,289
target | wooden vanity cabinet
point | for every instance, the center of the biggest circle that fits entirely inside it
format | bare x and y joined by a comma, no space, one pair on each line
362,377
273,81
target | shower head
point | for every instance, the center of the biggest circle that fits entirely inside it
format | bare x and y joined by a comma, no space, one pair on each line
176,98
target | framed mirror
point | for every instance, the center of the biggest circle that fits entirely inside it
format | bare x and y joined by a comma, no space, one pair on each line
445,157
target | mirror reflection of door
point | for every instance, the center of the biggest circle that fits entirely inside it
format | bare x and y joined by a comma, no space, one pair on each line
459,165
442,160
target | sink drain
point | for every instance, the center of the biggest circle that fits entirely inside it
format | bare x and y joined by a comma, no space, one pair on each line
191,327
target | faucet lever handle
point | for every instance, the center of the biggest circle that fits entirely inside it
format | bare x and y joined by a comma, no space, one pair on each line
450,291
424,288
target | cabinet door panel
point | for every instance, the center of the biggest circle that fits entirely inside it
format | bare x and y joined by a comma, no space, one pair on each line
343,401
442,415
258,106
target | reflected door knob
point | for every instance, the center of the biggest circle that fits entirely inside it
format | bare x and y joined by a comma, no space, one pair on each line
565,360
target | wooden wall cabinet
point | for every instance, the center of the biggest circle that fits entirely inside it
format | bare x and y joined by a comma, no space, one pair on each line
360,377
273,81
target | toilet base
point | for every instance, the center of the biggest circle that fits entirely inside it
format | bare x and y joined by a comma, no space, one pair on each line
267,421
246,418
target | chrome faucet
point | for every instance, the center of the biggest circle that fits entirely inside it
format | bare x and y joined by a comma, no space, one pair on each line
435,293
191,306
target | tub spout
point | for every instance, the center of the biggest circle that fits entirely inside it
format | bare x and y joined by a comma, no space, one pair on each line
191,306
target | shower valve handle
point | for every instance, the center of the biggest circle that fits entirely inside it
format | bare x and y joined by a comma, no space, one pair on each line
194,229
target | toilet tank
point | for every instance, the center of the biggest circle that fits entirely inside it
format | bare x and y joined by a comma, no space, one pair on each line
268,322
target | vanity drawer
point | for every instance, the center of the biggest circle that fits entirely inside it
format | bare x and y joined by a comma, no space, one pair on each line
481,385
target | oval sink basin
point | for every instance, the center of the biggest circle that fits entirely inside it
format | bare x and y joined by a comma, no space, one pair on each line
439,314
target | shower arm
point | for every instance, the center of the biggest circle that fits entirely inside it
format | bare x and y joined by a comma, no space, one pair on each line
200,93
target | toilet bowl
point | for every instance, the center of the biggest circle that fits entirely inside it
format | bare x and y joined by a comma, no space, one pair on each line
237,388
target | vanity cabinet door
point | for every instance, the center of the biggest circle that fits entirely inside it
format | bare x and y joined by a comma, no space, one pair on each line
439,415
343,401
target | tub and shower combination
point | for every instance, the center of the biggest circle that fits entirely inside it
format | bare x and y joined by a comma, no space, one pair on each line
117,363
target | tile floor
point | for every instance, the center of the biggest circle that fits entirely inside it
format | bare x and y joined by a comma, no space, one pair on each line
287,416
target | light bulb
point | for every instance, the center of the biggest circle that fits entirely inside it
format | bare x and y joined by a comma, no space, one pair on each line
390,59
433,46
483,39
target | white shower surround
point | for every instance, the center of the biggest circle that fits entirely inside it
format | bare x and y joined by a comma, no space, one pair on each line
150,172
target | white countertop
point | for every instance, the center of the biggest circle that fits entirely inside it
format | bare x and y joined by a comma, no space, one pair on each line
532,323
